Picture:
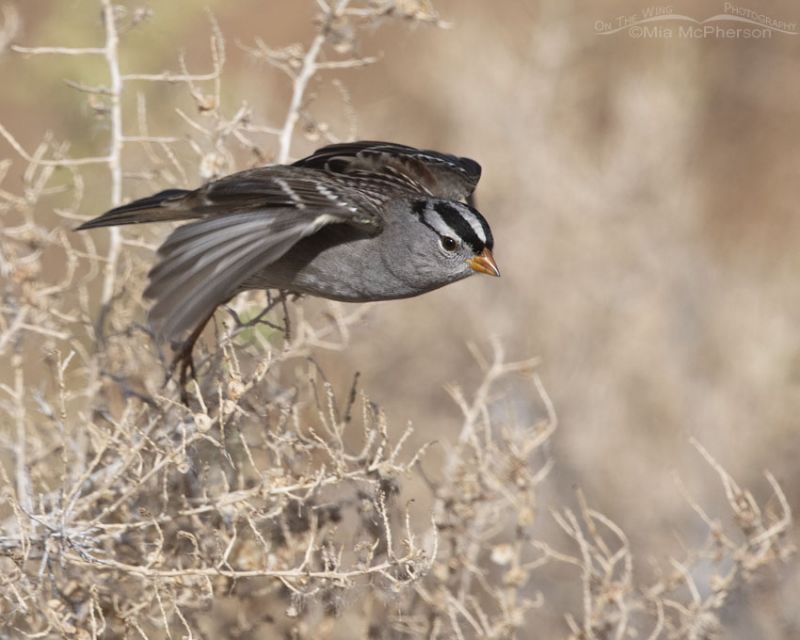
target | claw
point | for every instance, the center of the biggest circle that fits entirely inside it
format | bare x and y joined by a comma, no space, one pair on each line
183,360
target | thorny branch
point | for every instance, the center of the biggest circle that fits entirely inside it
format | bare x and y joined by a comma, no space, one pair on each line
307,70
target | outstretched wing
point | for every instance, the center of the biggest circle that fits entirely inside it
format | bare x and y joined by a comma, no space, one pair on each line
376,166
241,224
203,264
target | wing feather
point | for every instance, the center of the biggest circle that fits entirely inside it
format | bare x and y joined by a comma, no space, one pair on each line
259,189
203,264
406,168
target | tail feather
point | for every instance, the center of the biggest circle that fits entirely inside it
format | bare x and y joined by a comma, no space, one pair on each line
150,209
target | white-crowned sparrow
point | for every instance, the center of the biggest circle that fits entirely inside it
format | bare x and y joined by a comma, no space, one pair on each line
357,222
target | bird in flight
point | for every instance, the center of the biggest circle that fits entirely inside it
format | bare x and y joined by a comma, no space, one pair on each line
357,222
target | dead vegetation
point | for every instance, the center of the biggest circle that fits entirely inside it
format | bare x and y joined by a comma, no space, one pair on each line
273,505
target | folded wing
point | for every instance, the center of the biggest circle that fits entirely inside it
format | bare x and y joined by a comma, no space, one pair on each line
389,165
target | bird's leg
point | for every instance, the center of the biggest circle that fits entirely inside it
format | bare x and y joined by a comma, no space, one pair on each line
260,318
287,327
183,358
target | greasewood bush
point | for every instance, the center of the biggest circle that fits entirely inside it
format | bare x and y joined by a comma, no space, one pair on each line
280,502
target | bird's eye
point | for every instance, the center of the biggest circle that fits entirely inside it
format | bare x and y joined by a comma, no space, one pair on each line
449,244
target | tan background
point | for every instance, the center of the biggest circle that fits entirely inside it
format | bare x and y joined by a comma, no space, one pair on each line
643,197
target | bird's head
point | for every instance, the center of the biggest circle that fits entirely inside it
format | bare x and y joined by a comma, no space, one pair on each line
455,237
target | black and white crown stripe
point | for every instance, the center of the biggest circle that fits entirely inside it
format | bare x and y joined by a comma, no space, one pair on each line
455,219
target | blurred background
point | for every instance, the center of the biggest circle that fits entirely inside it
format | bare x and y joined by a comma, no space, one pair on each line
643,196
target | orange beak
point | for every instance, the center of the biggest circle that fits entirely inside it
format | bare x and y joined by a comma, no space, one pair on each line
484,263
